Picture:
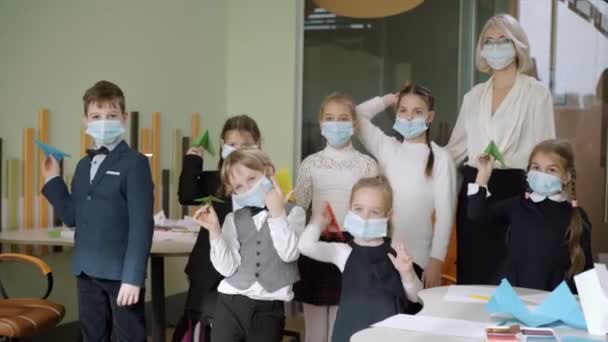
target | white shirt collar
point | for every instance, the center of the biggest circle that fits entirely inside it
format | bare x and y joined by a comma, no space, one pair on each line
559,197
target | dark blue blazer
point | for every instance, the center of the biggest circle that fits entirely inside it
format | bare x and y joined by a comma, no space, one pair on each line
113,215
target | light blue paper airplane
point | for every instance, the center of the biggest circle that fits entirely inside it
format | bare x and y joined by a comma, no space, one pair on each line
48,149
579,339
559,307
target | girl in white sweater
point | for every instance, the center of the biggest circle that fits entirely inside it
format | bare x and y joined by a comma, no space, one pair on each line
328,177
421,173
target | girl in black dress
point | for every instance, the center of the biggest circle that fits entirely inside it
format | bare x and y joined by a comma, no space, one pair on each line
238,131
549,237
377,280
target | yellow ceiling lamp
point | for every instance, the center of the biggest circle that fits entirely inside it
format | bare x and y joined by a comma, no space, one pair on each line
368,8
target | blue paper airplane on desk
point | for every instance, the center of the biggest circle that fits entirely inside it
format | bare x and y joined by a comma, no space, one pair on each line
560,307
48,149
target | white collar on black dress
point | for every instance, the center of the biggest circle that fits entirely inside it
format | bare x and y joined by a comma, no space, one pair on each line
536,198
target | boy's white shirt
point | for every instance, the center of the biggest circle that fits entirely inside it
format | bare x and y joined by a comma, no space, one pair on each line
337,253
284,232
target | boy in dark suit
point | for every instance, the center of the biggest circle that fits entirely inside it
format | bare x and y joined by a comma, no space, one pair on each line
111,207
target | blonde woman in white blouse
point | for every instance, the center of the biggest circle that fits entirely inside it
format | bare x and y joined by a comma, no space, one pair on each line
328,176
516,112
421,173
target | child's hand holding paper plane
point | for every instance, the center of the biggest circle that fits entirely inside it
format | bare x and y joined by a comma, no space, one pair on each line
50,150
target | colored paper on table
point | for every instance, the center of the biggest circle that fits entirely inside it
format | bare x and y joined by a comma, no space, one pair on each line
205,142
559,307
283,177
580,339
51,150
468,294
592,286
209,200
492,150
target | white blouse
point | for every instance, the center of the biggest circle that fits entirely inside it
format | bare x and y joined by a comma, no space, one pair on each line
329,175
523,119
416,197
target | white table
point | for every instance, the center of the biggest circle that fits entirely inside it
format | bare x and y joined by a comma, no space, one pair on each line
160,250
436,306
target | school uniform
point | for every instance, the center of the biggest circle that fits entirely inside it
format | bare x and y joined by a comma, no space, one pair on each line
203,279
523,119
326,176
257,256
111,207
372,289
537,256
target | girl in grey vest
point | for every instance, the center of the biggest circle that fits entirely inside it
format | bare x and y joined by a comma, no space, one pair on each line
255,250
375,276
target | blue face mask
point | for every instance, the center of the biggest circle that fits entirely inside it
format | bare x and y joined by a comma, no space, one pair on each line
337,133
105,131
498,56
256,196
365,229
410,129
544,184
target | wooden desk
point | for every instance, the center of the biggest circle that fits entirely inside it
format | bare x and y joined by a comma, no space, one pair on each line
436,306
160,250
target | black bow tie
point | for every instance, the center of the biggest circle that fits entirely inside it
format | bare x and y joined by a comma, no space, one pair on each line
102,150
256,210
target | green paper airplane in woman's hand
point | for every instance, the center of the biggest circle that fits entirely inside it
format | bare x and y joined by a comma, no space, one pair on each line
208,200
492,150
204,142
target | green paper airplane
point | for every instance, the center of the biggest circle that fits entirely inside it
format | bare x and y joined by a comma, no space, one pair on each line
492,150
204,142
209,200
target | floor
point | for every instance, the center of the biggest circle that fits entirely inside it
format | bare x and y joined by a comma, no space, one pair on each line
69,332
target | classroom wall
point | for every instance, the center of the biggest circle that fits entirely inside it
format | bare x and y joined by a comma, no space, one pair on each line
174,57
262,40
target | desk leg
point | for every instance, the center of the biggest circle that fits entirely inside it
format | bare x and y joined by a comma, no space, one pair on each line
158,298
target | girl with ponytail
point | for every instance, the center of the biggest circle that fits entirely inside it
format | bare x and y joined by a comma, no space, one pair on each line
549,235
421,173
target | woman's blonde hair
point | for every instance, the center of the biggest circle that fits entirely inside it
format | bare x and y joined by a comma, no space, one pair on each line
513,30
250,157
381,184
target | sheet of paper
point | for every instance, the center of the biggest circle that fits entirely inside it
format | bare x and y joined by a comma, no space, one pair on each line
468,294
435,325
594,298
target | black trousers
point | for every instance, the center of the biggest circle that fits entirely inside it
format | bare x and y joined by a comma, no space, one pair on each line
482,248
242,319
100,315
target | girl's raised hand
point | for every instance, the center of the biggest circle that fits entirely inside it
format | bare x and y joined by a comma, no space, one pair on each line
485,165
321,219
195,151
390,100
207,218
403,263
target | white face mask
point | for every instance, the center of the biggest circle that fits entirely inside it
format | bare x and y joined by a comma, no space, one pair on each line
498,55
105,132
